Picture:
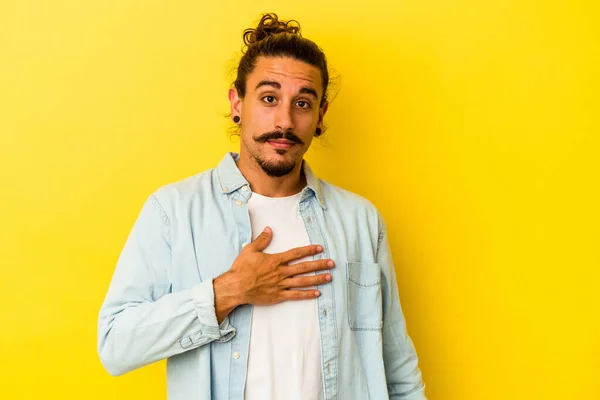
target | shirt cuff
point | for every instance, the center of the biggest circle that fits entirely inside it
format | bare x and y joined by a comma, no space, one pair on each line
203,297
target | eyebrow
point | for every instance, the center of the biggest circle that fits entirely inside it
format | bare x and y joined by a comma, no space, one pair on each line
277,85
308,90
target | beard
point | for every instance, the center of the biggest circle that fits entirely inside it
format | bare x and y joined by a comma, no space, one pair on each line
276,169
279,168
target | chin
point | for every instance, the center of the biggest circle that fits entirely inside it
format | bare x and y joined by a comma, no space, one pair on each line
277,165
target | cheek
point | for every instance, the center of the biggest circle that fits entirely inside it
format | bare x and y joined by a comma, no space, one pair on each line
306,124
258,121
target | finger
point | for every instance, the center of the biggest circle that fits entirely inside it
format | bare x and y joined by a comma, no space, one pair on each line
300,252
308,266
299,294
305,281
262,241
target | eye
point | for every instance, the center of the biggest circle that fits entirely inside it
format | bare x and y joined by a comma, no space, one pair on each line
303,104
269,99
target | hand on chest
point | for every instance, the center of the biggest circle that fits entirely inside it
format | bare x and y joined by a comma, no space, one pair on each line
283,217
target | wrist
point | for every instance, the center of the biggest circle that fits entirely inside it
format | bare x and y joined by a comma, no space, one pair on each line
227,296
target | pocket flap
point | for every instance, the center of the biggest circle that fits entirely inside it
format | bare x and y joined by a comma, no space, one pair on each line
364,274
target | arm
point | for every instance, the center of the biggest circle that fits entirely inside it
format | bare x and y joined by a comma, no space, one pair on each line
141,320
400,358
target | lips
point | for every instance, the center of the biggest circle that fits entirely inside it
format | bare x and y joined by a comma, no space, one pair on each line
281,143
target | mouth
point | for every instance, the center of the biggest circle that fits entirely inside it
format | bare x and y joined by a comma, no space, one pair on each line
281,143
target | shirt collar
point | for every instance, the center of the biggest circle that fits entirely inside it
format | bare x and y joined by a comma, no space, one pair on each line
231,179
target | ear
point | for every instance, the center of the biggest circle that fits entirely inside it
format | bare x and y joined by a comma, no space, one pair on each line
322,112
235,102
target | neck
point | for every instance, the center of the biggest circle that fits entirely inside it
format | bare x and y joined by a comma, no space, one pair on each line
271,186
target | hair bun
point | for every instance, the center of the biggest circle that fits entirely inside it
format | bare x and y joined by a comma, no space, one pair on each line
270,25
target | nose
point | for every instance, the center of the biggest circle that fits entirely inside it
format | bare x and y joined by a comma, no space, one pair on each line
283,118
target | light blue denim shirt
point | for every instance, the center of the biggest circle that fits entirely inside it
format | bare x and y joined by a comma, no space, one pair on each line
160,303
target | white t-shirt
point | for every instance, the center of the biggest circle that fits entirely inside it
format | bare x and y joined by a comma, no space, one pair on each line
284,361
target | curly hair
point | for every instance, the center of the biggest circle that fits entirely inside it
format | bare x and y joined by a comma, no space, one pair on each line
275,38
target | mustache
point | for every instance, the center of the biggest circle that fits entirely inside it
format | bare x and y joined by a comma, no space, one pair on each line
288,135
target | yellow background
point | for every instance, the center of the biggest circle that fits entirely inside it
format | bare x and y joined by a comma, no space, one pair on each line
472,125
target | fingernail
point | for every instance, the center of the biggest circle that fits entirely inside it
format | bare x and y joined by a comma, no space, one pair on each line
319,248
327,277
267,229
330,263
317,293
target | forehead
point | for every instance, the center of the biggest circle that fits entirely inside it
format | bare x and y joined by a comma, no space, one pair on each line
289,72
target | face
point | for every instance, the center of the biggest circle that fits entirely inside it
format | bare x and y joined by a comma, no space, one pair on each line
279,113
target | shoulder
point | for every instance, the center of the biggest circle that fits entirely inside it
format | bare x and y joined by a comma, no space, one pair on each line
184,191
356,213
343,200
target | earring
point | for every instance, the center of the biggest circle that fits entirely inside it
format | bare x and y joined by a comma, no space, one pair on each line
318,131
236,119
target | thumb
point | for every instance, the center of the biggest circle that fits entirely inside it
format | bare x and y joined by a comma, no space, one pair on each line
263,240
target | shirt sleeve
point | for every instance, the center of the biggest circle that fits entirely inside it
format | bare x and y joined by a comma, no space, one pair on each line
141,321
400,358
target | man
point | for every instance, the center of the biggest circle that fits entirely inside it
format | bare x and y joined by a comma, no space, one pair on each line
256,279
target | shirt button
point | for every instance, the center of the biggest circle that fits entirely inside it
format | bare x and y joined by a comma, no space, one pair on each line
239,203
225,189
236,355
244,188
309,220
244,245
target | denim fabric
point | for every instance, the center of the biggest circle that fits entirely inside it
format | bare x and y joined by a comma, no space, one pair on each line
160,303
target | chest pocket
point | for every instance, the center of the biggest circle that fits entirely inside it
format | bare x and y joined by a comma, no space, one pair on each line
364,296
